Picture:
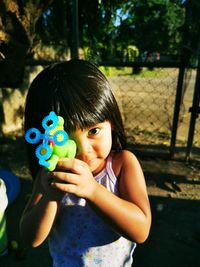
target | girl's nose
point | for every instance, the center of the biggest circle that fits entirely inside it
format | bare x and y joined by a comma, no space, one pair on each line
84,147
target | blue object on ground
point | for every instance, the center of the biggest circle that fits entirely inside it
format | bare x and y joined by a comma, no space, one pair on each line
12,183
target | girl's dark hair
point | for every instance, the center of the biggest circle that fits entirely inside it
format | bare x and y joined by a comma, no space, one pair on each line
79,92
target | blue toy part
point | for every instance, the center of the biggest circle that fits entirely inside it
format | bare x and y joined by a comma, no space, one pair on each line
13,185
50,121
43,152
60,137
33,135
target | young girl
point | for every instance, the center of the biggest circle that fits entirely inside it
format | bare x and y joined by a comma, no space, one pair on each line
93,208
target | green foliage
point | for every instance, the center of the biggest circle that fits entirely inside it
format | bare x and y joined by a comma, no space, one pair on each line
154,25
108,28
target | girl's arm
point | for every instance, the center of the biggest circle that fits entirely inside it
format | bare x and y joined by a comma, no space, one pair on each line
40,212
129,213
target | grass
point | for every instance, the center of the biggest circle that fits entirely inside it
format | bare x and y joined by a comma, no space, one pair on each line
137,135
128,71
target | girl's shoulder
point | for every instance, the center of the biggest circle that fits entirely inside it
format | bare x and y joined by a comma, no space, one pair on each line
121,160
123,156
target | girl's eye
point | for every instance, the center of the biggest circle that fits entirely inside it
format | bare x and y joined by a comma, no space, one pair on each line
94,131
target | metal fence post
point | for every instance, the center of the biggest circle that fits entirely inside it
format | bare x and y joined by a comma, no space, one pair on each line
185,56
195,110
179,91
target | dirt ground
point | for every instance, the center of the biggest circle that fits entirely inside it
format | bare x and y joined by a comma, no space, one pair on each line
174,192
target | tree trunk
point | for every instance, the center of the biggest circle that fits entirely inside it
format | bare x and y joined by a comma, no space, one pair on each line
13,103
17,34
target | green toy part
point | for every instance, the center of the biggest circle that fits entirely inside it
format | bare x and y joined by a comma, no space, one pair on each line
67,150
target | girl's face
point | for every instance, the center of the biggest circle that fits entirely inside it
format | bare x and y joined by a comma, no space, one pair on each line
94,145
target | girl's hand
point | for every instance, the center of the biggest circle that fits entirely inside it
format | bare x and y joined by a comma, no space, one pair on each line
74,176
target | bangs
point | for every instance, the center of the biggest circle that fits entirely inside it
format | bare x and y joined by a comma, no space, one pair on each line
81,111
82,120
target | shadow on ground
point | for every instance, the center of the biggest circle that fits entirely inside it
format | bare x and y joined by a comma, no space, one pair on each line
174,239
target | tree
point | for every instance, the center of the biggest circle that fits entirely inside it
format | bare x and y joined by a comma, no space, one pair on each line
17,33
109,27
153,25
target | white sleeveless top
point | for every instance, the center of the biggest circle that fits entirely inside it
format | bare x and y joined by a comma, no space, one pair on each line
81,238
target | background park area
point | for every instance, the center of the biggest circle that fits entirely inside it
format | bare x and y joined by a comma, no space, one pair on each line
150,52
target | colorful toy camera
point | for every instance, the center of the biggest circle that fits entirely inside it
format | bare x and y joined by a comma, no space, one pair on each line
55,141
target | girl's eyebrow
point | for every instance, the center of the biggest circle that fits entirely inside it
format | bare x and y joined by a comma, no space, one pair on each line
95,126
99,123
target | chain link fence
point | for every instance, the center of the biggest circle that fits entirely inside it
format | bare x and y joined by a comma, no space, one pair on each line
147,103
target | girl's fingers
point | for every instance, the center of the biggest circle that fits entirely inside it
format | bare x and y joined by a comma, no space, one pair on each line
74,165
69,188
72,176
64,177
